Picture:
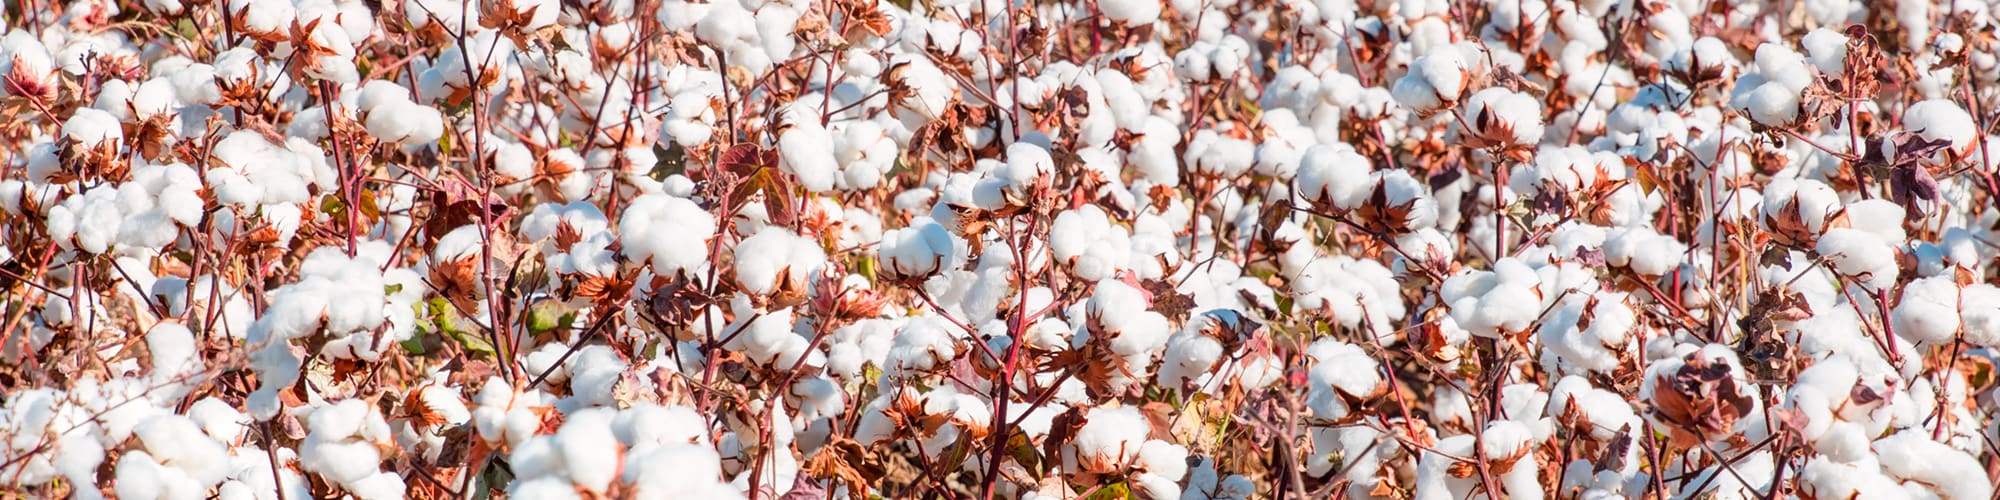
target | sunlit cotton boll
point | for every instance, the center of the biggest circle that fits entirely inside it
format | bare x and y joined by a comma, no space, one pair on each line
670,232
777,257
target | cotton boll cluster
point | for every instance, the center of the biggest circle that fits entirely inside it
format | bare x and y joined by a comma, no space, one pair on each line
1088,242
777,261
1770,95
391,116
666,231
343,447
1117,315
348,305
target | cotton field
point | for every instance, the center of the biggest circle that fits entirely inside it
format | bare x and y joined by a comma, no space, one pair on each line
975,249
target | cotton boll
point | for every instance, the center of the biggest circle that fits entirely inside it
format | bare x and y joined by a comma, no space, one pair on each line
1644,251
1435,81
589,448
1980,309
549,487
1131,12
90,127
1796,212
1861,255
1163,459
1928,311
670,232
1087,240
263,16
1911,455
1827,49
341,461
679,471
1333,174
1027,166
1941,120
1340,371
1110,438
776,259
920,346
173,349
176,442
918,251
405,122
1500,117
804,149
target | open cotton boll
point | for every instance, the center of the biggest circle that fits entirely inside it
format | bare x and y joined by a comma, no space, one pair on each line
1110,438
1979,308
1941,119
670,232
1797,211
173,349
1435,81
1213,154
339,446
89,222
90,127
405,122
775,258
1131,12
1340,372
1928,311
1861,255
269,17
921,345
1647,252
805,149
1501,117
1490,303
1911,455
1827,49
1589,331
530,15
589,449
918,251
1087,240
1028,166
678,471
1333,174
176,442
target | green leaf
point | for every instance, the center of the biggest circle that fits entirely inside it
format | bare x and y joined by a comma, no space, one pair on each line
446,319
545,316
866,267
1023,451
332,206
1114,491
415,345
